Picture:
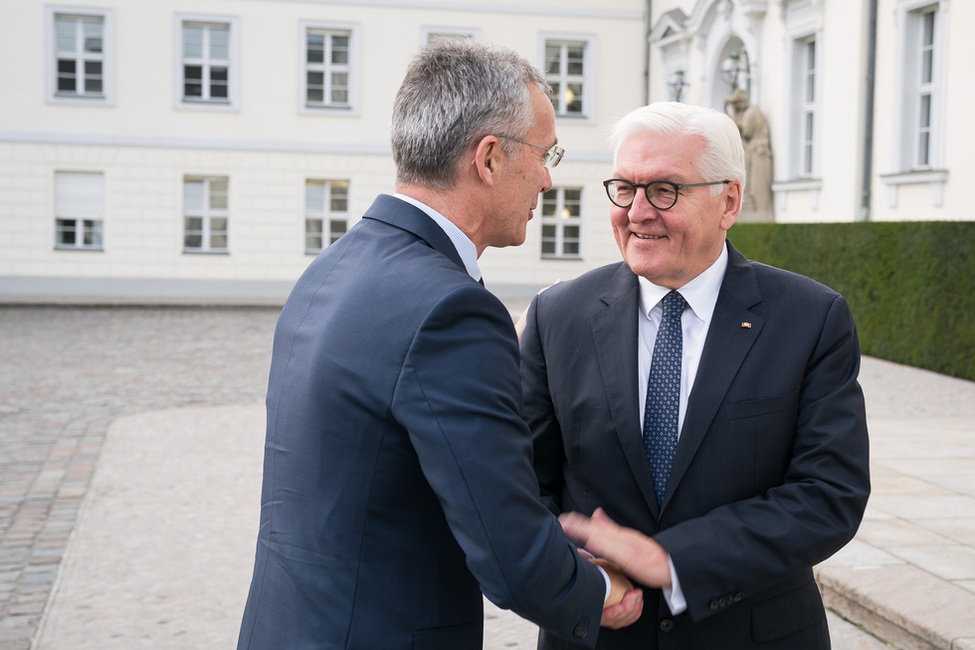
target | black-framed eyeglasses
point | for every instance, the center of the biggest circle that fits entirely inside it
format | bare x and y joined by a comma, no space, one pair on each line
553,154
661,194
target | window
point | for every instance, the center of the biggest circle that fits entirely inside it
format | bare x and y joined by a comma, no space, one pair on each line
921,92
569,69
431,34
326,213
920,97
205,214
79,58
805,107
329,75
561,223
79,208
207,62
924,78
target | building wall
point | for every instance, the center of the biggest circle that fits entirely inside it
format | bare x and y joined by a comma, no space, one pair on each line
144,142
695,35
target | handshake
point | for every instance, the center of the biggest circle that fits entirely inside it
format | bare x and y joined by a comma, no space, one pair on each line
626,555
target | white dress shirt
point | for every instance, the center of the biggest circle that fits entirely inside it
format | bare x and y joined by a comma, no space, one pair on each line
701,294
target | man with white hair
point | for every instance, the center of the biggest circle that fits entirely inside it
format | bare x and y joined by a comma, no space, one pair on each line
696,416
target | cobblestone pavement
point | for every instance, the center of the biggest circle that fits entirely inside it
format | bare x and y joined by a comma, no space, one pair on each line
65,374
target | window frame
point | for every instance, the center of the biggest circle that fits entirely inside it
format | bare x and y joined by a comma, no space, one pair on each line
354,65
325,214
588,77
560,224
806,111
80,221
107,17
207,215
911,88
232,103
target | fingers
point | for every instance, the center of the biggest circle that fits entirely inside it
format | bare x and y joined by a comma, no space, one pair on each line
626,612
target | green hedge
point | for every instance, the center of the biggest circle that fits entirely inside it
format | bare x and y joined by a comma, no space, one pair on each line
911,285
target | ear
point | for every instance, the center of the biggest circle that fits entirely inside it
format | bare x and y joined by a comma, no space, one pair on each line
732,204
487,159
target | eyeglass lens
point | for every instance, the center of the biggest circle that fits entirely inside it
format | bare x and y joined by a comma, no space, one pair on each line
661,194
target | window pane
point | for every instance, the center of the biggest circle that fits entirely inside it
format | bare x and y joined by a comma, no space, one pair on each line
924,148
93,76
925,113
218,194
573,98
65,29
220,42
218,242
316,87
313,226
218,225
93,35
316,48
574,59
314,196
340,197
927,66
193,41
192,240
66,76
570,248
553,55
194,224
340,50
66,229
218,83
93,233
193,81
337,228
193,196
313,242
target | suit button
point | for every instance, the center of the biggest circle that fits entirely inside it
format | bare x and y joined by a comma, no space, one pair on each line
667,625
581,630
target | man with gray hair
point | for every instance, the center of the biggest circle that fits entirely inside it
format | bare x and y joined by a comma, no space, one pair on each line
397,477
702,408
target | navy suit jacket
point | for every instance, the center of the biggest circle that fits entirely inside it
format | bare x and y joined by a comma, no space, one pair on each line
771,471
397,474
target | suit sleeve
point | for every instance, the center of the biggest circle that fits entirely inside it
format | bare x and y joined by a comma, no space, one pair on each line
459,397
739,548
539,413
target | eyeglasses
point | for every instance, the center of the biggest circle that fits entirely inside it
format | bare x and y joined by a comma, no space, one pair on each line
661,194
553,154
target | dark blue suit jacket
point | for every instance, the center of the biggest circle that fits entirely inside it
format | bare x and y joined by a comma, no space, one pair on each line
771,471
397,472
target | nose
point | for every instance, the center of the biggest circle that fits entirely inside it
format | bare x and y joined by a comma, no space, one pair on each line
548,180
641,209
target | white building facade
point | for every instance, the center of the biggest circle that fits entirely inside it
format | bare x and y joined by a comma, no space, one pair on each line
208,150
864,100
172,150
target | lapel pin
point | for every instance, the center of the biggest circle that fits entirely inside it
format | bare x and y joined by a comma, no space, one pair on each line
746,325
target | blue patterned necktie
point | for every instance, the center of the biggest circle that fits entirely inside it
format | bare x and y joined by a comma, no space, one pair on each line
663,394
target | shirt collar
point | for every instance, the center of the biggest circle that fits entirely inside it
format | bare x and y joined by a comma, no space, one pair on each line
465,247
701,293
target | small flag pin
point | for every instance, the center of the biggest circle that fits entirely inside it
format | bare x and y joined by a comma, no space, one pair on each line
746,325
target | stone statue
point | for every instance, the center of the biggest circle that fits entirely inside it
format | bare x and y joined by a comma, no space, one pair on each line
757,198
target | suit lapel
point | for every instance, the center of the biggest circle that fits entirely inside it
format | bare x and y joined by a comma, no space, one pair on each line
401,214
728,342
614,332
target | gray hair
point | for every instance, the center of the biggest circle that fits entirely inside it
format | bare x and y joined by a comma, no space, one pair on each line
722,157
456,91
